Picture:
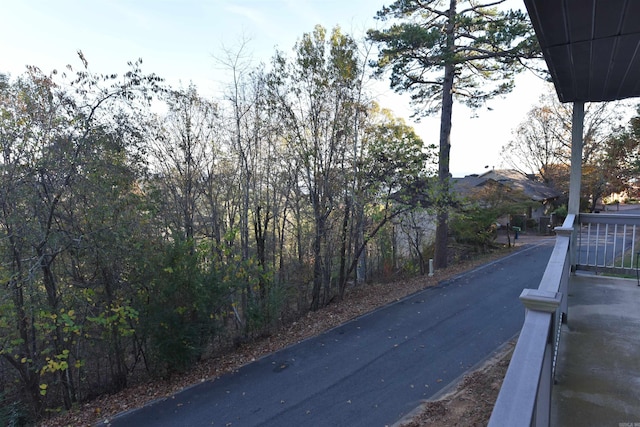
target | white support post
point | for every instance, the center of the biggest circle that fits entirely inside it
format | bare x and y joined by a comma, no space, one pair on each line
576,158
575,182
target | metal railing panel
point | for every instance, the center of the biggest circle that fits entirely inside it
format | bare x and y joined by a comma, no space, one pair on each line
598,241
607,243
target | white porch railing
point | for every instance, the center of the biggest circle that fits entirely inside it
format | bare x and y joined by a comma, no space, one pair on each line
525,396
603,242
607,243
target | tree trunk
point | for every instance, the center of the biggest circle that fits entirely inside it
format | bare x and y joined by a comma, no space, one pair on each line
28,350
342,280
442,228
53,298
281,240
361,256
260,226
119,371
318,263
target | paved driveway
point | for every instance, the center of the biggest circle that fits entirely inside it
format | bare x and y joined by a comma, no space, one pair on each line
373,370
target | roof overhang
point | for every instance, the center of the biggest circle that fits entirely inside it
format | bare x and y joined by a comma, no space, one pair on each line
592,47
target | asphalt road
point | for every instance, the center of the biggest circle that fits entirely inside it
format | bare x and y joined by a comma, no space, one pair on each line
373,370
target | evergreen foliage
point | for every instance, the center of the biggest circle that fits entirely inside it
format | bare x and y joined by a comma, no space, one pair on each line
440,51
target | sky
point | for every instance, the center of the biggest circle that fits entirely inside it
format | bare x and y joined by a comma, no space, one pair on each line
180,40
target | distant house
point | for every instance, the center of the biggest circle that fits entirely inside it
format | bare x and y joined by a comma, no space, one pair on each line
414,231
539,192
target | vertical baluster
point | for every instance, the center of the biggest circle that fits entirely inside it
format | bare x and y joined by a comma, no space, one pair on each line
615,242
594,244
633,245
624,245
586,261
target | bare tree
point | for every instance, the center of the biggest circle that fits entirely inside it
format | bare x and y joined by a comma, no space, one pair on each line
541,144
314,97
183,153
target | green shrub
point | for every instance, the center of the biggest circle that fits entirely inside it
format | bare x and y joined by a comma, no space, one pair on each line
184,303
264,308
561,212
532,224
475,227
12,413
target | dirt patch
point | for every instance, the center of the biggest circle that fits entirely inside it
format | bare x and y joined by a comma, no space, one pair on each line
358,301
470,403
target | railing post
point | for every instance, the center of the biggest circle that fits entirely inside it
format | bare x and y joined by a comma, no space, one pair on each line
571,234
570,229
546,302
525,396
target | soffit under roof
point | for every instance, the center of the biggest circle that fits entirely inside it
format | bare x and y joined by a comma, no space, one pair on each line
592,47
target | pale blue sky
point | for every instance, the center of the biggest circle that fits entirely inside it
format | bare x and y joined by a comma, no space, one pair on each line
178,39
175,38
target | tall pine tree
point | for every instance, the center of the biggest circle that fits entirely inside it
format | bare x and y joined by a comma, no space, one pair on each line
441,50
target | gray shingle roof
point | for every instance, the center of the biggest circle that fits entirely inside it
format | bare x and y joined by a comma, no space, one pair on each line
536,190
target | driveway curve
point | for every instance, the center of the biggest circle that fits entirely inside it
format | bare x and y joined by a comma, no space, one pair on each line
370,371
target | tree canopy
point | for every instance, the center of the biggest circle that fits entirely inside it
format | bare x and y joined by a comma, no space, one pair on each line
541,145
484,44
144,226
438,51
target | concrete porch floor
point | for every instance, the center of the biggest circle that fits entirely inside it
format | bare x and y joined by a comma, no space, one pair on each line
598,366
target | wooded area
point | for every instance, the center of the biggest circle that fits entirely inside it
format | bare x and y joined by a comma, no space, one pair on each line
610,155
145,226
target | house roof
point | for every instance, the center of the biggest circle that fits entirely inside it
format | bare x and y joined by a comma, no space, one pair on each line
536,190
592,47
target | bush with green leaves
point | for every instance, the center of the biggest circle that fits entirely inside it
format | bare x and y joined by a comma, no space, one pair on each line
12,413
561,212
182,308
476,227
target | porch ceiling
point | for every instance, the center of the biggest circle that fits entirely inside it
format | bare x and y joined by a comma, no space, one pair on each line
592,47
